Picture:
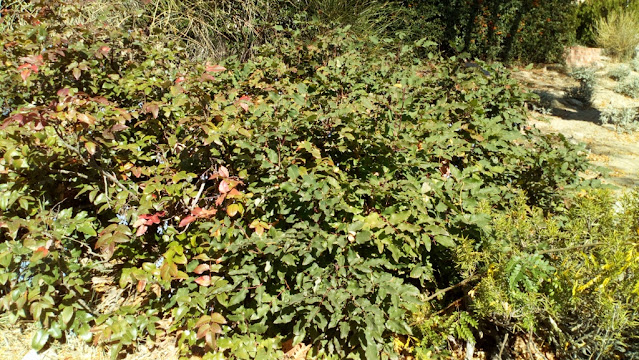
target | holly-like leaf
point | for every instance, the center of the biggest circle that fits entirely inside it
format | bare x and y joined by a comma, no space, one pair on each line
224,187
141,285
218,318
203,280
223,171
77,73
91,147
215,68
39,339
187,220
201,268
24,74
141,230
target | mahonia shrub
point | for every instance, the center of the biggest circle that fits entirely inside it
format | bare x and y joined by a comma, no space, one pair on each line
312,194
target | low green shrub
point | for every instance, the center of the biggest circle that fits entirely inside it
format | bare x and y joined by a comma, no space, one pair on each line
618,33
315,193
629,87
587,83
624,119
569,278
619,72
635,64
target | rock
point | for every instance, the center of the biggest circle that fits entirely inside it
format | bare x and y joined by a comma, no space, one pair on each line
33,355
575,102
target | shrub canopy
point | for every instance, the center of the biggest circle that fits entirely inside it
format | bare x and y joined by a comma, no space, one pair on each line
313,193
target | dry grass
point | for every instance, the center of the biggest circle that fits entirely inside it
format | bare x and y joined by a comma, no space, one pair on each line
15,343
618,33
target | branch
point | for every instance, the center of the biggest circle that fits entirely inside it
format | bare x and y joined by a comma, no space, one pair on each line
549,251
462,283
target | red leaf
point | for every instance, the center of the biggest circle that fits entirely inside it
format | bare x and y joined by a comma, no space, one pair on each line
141,285
87,119
118,127
141,230
216,328
204,213
104,50
33,59
187,220
42,250
220,200
63,92
140,221
207,77
224,187
234,193
154,109
203,280
179,79
101,100
244,102
224,172
201,268
24,74
215,68
203,330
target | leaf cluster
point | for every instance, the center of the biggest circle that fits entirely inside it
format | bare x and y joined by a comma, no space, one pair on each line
312,193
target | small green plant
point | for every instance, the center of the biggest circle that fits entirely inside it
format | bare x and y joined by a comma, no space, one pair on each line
624,119
619,72
630,87
634,64
587,83
618,33
544,102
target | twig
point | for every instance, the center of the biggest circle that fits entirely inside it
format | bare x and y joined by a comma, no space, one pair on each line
549,251
462,283
503,344
106,191
67,172
118,183
199,193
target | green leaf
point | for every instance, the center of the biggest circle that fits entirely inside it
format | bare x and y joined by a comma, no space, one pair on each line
66,315
87,228
39,339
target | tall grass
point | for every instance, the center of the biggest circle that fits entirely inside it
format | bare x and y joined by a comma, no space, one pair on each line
618,33
215,29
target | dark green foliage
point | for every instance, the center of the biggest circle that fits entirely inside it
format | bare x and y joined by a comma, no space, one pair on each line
507,30
312,193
